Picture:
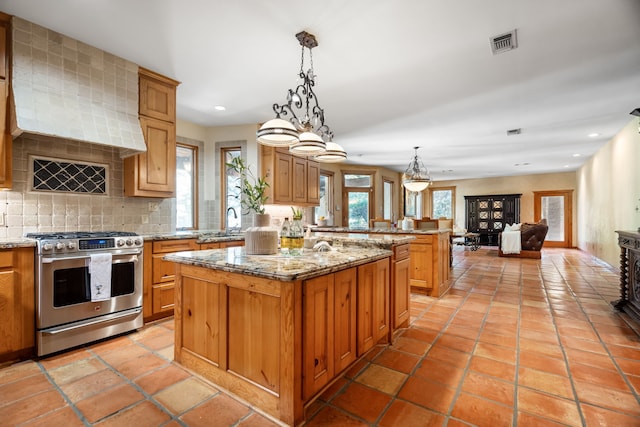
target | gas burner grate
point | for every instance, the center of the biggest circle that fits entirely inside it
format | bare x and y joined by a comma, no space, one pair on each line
79,235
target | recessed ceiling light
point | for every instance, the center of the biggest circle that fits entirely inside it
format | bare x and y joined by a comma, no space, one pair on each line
577,155
593,135
219,108
566,166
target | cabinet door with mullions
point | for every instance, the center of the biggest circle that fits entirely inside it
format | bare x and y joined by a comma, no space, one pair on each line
489,214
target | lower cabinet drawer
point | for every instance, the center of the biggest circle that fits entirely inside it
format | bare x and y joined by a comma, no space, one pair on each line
163,297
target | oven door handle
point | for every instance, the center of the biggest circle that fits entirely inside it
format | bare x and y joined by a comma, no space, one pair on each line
109,318
130,258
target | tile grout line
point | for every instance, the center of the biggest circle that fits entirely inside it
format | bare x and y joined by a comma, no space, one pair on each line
620,372
411,373
55,385
560,343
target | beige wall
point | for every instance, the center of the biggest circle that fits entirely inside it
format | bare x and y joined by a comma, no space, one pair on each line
524,184
190,130
609,194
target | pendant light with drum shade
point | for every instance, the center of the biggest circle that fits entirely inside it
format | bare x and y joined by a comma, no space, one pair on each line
305,132
416,177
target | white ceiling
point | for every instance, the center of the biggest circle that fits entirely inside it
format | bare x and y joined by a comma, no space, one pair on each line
391,74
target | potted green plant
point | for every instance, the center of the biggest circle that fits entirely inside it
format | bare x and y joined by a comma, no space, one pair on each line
252,189
261,239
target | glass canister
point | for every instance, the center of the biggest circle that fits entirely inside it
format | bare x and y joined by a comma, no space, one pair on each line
296,237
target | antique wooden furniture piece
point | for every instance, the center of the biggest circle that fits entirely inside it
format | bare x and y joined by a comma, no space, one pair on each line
629,302
487,215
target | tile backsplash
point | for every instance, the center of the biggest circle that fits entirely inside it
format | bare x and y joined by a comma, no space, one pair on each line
27,211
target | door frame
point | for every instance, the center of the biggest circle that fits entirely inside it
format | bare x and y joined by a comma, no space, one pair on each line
346,190
568,215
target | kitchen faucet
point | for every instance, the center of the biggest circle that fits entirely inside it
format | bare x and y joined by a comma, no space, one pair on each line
235,216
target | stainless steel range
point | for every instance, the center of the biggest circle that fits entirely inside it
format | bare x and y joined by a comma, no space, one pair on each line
88,287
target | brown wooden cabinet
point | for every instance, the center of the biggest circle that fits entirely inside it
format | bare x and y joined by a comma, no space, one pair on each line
157,96
313,182
17,303
329,335
201,326
400,288
345,321
293,180
159,276
299,180
373,304
317,337
6,143
421,263
153,173
429,263
276,343
224,244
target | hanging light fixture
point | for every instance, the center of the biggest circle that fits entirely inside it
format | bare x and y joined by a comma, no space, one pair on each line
416,177
305,132
333,154
636,112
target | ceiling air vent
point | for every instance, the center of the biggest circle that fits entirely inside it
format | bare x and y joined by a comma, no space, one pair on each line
504,42
517,131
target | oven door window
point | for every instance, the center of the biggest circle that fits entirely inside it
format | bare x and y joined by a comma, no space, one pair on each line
122,279
72,285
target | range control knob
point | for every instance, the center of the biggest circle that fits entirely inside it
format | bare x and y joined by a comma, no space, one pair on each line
71,245
137,242
129,242
120,242
59,246
47,247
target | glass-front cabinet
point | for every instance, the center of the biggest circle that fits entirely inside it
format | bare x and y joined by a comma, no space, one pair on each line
488,214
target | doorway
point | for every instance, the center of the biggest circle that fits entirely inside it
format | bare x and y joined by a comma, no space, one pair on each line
556,207
357,199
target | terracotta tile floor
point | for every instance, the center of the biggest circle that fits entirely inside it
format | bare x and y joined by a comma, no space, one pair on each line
514,343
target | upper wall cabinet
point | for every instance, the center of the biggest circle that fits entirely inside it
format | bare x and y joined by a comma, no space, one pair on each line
292,180
153,174
5,74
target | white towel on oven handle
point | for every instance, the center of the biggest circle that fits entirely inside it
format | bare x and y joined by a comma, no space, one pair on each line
100,271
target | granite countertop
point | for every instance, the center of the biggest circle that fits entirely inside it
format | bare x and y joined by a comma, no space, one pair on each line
17,242
283,268
201,236
374,240
377,230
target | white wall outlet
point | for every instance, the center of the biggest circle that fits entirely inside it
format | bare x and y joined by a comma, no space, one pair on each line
145,219
154,206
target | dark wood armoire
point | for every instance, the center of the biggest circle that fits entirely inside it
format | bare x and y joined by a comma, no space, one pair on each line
487,215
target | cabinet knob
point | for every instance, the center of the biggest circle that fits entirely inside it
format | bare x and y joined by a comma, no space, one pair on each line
315,362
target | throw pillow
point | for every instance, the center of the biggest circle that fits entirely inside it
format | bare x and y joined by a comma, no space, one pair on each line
526,227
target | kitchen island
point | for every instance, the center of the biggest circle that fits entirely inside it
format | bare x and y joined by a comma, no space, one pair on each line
277,330
430,254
